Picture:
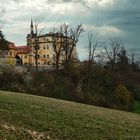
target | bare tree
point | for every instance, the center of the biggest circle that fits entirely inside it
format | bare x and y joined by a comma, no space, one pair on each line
122,56
112,56
132,57
36,42
112,52
57,44
36,46
88,66
70,41
122,61
64,40
92,46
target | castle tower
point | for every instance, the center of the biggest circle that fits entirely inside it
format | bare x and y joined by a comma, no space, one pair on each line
32,28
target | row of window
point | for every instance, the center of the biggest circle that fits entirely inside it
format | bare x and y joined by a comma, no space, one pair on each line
11,53
24,56
44,56
44,39
45,63
44,47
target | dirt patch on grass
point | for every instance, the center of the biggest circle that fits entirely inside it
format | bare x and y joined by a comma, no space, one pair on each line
38,135
34,134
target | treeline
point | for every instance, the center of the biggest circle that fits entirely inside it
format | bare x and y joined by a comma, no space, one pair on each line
109,77
110,80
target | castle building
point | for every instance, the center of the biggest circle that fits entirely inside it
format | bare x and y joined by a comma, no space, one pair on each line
44,48
41,50
9,54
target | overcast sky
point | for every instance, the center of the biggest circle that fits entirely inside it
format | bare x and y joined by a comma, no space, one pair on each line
108,18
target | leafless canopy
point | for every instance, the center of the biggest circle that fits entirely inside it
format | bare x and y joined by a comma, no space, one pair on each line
74,34
112,52
68,37
92,46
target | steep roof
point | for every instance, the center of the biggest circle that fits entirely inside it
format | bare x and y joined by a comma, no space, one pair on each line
23,49
12,45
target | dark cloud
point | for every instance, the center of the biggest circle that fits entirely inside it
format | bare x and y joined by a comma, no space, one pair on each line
123,16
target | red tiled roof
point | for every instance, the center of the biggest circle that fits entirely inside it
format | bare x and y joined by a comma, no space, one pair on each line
19,49
12,45
23,49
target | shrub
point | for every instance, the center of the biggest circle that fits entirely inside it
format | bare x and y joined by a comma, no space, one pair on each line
52,84
123,97
136,91
11,80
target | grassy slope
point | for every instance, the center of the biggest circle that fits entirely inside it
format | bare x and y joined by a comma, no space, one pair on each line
31,117
136,108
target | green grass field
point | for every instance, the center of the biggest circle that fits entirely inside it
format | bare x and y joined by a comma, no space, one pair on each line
136,108
27,117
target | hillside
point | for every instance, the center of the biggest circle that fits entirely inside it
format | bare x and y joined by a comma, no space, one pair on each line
28,117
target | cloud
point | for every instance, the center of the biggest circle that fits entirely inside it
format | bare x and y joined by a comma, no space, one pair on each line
105,29
108,18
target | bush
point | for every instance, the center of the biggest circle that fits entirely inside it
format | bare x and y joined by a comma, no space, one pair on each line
52,84
97,86
12,80
136,91
124,98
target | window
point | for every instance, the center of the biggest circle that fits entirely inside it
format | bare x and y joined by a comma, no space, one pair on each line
38,56
44,56
47,55
47,40
44,47
36,47
25,56
10,52
47,46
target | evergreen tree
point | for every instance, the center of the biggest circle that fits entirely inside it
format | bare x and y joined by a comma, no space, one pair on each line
3,45
3,42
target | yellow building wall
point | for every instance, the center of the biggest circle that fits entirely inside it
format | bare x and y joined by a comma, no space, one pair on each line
25,58
11,53
46,52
